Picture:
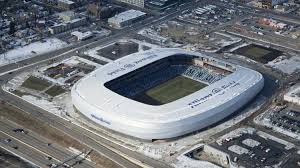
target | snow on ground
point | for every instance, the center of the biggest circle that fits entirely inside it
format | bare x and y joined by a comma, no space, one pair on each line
60,105
93,52
31,50
226,42
44,104
187,162
237,47
163,151
103,32
166,151
183,161
151,152
153,35
142,43
72,61
287,144
263,119
16,82
235,134
287,66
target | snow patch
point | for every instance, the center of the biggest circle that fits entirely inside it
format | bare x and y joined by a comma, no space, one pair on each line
287,66
31,50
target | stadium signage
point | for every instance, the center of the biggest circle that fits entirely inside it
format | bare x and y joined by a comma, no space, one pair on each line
218,90
149,55
100,119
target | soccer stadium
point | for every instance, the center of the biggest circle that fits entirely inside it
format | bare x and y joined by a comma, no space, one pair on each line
164,93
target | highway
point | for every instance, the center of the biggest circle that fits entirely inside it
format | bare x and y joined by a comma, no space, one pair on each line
97,143
89,139
40,144
24,151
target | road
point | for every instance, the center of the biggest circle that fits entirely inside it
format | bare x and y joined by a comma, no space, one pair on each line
95,142
58,154
24,151
94,42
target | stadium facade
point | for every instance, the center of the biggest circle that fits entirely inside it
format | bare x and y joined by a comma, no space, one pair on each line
111,95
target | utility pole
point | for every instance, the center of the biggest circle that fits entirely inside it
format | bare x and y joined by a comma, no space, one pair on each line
74,157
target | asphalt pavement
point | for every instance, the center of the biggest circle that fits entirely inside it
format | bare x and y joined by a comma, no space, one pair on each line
93,141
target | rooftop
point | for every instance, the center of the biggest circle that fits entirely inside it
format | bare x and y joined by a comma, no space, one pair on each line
199,102
66,1
127,15
295,92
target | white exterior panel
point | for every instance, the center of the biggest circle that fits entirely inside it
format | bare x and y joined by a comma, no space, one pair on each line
170,120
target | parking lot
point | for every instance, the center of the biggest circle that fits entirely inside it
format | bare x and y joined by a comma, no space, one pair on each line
119,49
252,149
287,119
210,15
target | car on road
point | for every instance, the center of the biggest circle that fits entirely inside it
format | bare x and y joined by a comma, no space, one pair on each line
52,165
20,130
7,140
48,157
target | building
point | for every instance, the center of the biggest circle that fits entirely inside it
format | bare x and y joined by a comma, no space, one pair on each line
243,1
160,4
281,8
120,96
126,18
272,3
82,35
66,4
272,23
139,3
293,96
94,9
67,16
62,27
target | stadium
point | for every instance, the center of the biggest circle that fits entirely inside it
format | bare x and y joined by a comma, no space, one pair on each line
164,93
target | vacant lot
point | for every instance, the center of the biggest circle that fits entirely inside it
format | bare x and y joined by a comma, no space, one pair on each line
55,91
174,89
118,50
35,83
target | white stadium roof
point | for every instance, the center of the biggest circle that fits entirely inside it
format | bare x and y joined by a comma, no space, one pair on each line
92,98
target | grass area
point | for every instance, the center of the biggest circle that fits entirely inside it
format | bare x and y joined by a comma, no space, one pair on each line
256,52
19,93
52,134
174,89
259,53
36,83
55,91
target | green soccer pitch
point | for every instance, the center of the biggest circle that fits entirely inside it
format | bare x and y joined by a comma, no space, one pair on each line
174,89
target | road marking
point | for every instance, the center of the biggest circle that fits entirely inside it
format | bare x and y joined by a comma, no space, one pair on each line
34,148
18,154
